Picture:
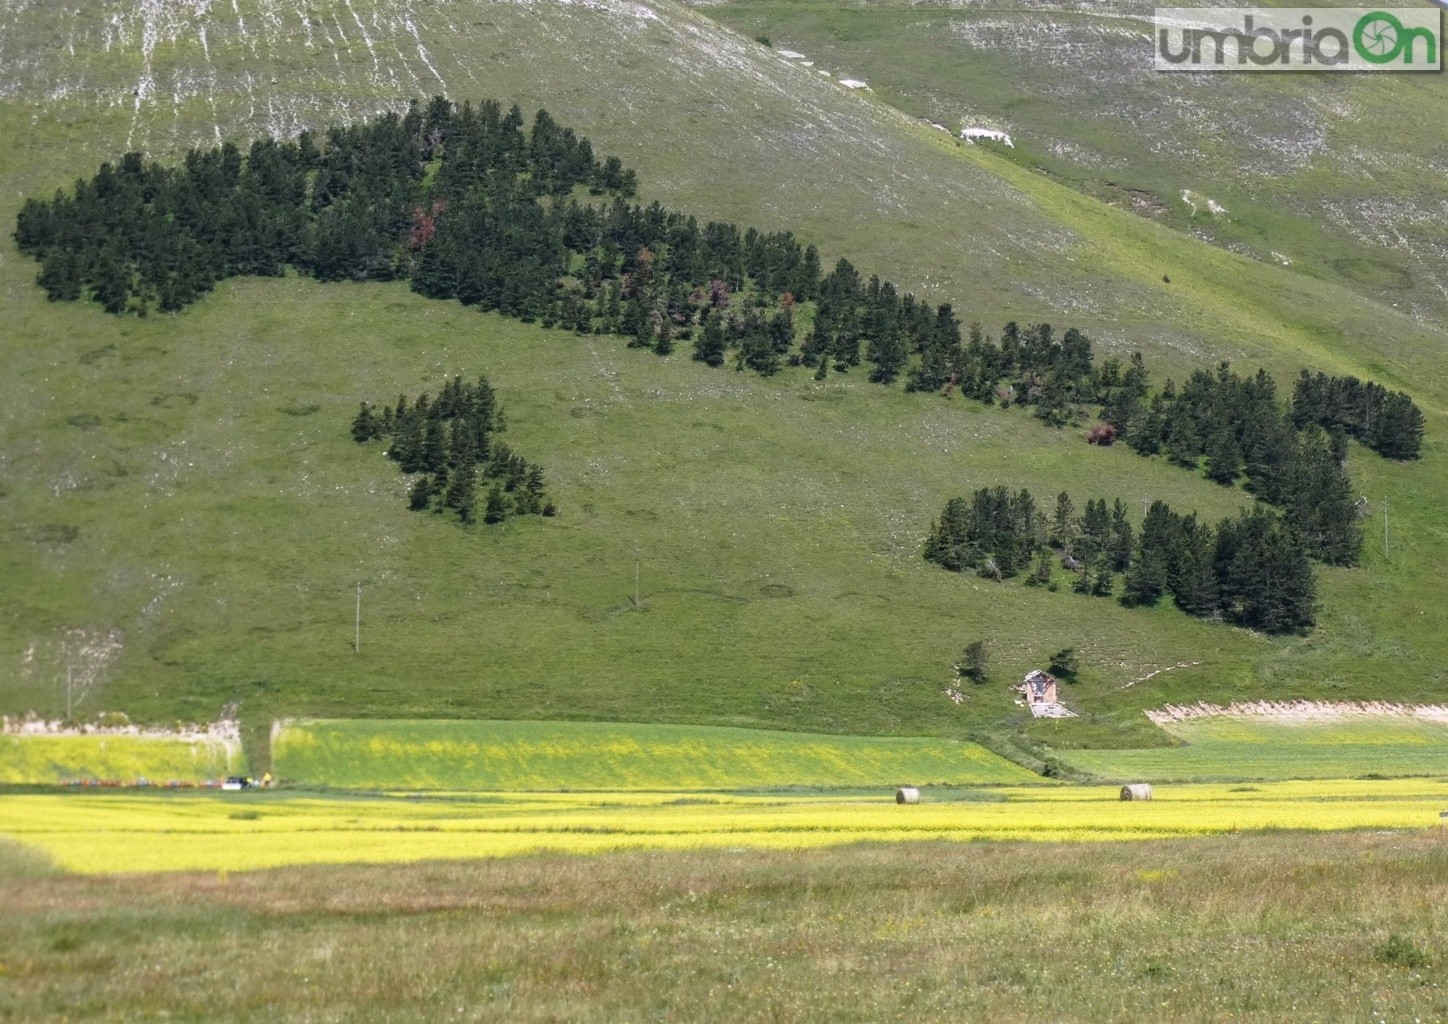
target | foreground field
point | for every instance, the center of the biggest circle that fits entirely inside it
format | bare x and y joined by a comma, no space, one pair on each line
588,755
1299,929
1253,748
114,832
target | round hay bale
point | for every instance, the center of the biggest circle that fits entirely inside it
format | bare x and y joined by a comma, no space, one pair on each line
907,795
1136,791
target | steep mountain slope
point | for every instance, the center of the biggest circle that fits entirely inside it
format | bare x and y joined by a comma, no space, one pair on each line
181,490
1335,175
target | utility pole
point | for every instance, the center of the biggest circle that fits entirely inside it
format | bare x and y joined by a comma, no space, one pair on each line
1385,527
68,684
638,602
357,641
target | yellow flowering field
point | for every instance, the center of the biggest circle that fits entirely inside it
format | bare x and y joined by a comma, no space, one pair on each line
145,832
49,759
495,755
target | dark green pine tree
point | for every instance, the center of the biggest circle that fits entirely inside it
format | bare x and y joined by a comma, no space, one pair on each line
497,507
1146,579
112,280
710,345
365,426
1063,523
643,334
1093,531
1224,456
1122,539
60,275
462,444
419,494
1397,432
1183,445
1289,604
1065,664
1147,429
407,442
1319,502
664,343
974,662
434,447
888,353
949,542
1103,580
932,372
1192,578
1265,577
459,495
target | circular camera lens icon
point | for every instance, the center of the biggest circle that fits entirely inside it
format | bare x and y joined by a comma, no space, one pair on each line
1379,38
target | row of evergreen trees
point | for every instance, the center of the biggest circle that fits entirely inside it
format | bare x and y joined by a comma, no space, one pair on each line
1235,429
355,203
449,444
1386,421
1252,570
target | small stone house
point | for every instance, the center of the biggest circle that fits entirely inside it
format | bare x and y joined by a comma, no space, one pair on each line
1039,687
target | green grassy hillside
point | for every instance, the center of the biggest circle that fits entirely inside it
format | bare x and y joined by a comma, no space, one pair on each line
185,487
1331,174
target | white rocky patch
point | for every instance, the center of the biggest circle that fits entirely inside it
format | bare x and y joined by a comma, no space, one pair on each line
1191,198
1300,712
987,134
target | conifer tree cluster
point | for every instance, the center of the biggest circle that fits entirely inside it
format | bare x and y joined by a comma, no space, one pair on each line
1252,570
448,445
469,203
354,203
1388,422
1233,428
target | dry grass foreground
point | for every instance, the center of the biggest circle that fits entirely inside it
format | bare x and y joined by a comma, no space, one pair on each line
1295,928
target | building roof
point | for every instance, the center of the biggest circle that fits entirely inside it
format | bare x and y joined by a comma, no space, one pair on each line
1037,683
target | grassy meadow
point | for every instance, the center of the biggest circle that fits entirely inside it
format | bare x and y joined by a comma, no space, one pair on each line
185,484
50,759
1250,748
443,755
114,832
1297,929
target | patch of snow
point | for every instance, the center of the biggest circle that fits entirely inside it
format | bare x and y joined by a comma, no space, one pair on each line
790,54
853,83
